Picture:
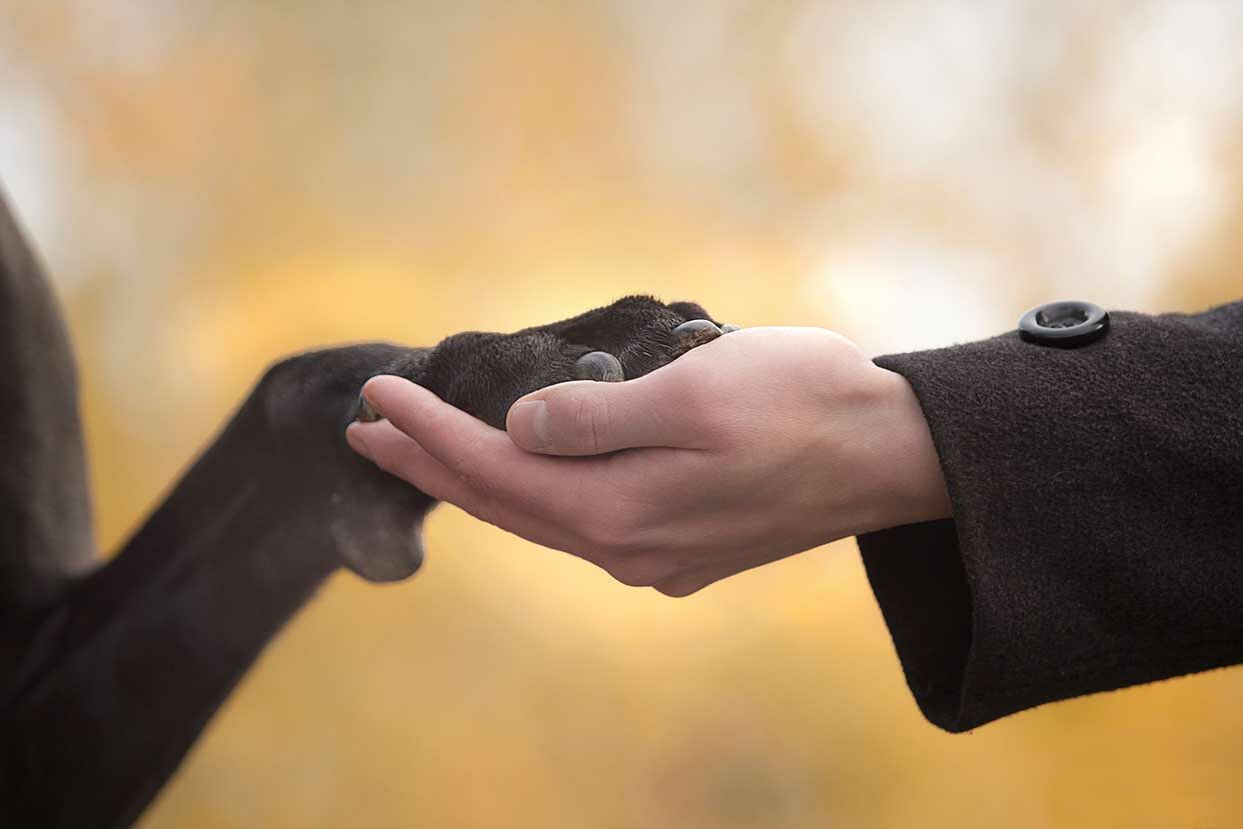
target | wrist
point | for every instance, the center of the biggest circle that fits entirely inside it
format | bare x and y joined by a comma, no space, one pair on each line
913,486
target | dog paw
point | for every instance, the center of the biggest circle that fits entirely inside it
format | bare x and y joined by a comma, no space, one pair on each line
484,373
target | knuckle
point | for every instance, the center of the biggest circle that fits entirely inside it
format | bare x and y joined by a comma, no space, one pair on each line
472,481
486,510
603,533
480,496
680,589
640,571
468,471
699,401
613,532
582,420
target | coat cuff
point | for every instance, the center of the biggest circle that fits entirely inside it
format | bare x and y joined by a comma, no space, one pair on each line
1097,539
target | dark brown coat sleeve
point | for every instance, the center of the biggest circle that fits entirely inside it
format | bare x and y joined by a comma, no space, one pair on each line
1097,538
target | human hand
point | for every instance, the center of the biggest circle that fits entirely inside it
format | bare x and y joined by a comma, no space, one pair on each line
756,446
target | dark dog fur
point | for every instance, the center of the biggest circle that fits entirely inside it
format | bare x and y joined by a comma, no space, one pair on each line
111,672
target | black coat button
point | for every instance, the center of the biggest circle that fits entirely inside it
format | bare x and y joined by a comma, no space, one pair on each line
1064,324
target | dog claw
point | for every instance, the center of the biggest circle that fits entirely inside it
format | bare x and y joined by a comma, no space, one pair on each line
729,328
365,412
695,333
599,365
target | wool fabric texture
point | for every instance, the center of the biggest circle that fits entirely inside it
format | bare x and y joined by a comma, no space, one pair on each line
1097,531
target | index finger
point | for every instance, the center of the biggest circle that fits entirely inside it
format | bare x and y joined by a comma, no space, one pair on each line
396,453
484,459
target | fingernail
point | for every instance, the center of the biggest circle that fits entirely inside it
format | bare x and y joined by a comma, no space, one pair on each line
528,423
353,436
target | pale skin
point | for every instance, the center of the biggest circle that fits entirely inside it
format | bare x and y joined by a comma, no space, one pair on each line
756,446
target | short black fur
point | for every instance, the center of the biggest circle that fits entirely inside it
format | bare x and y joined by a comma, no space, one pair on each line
109,672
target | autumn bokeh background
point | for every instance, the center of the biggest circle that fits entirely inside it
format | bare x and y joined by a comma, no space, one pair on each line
216,184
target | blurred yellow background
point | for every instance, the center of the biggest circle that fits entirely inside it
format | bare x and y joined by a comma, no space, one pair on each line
216,184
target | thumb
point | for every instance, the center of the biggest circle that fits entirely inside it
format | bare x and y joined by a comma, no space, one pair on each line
584,417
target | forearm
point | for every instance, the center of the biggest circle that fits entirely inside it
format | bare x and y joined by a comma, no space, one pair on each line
119,681
45,522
